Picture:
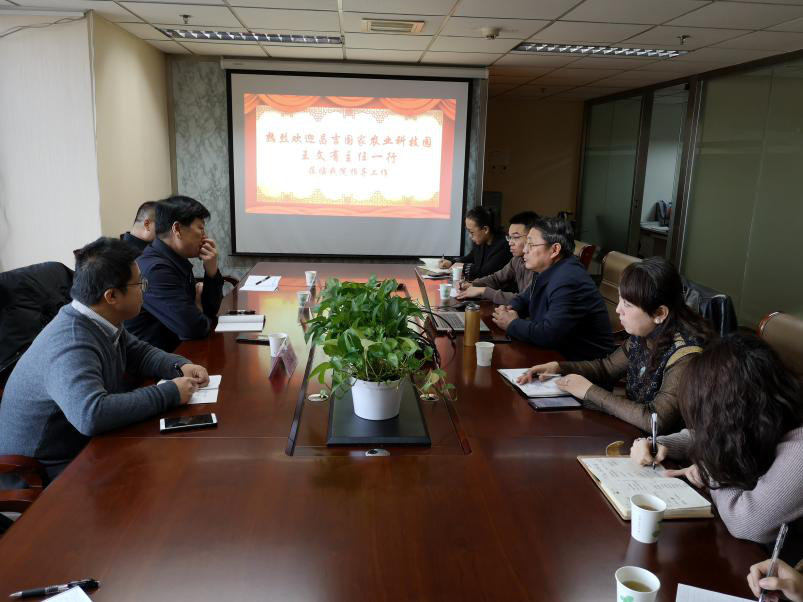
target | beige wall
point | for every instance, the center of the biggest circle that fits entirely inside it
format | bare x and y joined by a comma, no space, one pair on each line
132,125
532,154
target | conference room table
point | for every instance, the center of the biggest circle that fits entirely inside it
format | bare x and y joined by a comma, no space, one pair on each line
259,508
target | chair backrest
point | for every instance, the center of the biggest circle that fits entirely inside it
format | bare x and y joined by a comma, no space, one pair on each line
29,298
715,307
613,264
584,252
784,333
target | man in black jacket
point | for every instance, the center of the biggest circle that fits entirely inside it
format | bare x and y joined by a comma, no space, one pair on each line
175,307
143,231
562,309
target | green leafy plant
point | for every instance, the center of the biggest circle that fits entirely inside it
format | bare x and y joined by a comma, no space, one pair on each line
367,332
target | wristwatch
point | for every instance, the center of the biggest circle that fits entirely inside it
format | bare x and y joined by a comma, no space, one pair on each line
177,368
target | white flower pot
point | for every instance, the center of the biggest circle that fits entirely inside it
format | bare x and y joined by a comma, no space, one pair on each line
376,401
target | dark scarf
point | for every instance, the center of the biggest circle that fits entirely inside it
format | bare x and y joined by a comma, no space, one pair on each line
643,385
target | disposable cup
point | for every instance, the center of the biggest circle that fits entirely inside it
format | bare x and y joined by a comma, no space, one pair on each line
445,291
303,298
646,514
457,274
634,584
485,351
276,340
311,276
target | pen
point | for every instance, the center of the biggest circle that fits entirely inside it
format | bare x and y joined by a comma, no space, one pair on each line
775,551
263,280
653,440
550,374
56,589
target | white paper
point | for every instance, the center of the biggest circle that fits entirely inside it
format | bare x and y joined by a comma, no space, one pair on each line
435,270
264,286
687,593
536,388
242,323
620,468
207,394
74,594
676,493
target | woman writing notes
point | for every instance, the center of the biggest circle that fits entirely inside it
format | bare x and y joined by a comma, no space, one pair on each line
744,413
490,252
664,335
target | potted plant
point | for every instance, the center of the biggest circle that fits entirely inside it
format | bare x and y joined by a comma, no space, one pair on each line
368,333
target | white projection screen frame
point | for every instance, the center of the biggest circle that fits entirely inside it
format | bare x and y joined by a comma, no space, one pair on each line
292,195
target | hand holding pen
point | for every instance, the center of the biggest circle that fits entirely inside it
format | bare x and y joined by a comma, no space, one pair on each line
771,571
654,438
56,589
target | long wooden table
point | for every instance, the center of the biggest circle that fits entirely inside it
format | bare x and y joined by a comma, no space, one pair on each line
497,509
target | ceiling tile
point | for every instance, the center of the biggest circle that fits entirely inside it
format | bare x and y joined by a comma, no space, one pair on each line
455,44
144,31
291,4
668,37
386,56
403,7
535,90
201,16
318,20
220,49
534,58
508,28
636,78
576,76
169,47
738,15
387,41
793,25
576,32
515,9
780,41
305,52
460,58
515,79
726,56
108,10
633,11
682,67
353,21
603,62
597,91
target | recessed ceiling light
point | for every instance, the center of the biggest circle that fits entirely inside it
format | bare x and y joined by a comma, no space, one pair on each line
603,50
247,36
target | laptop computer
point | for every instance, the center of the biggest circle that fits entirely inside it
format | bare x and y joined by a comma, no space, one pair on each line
445,320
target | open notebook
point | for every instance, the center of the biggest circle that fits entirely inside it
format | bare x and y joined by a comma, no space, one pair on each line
619,478
541,395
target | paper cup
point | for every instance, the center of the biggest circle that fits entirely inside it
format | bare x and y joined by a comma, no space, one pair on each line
311,276
635,584
303,298
457,274
646,514
485,351
276,340
445,290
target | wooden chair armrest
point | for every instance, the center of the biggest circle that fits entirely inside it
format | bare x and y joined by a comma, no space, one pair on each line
231,280
29,469
17,500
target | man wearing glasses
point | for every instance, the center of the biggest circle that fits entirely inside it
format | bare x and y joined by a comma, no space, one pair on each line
562,309
501,286
70,384
176,308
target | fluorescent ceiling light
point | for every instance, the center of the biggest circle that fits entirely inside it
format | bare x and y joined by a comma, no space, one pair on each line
604,50
247,36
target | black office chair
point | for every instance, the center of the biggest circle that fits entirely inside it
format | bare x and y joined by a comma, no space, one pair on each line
717,308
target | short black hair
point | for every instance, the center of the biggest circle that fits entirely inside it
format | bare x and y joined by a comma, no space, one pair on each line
145,209
181,209
525,218
557,230
99,266
481,216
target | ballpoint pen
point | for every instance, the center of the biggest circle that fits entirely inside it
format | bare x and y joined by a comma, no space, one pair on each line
263,280
775,552
56,589
654,440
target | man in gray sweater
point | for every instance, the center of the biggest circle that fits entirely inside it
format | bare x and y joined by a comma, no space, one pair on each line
70,385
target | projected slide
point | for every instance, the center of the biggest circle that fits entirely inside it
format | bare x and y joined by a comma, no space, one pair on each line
348,156
347,165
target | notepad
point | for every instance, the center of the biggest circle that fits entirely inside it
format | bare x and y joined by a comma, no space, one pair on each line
619,478
687,593
241,323
207,394
259,284
74,594
536,388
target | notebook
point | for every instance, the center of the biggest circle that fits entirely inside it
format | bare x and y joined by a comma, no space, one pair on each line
261,284
687,593
619,477
241,323
207,394
541,395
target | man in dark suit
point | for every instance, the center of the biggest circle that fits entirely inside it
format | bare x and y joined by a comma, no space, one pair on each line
143,231
562,309
175,307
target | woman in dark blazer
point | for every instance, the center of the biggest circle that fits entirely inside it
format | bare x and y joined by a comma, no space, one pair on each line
490,252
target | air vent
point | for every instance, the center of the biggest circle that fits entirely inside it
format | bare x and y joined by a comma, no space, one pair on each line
386,26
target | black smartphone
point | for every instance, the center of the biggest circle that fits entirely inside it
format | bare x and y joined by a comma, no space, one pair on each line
253,339
187,422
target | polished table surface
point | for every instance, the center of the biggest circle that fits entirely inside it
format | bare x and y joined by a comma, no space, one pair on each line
497,509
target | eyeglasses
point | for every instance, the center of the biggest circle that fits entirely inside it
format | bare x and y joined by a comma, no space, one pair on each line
516,238
531,245
142,284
